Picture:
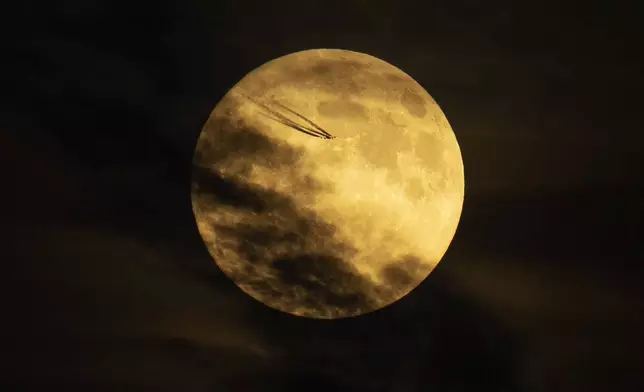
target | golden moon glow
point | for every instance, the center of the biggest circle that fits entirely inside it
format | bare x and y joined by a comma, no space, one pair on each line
327,183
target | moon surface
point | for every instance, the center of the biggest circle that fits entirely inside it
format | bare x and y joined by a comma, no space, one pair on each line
327,226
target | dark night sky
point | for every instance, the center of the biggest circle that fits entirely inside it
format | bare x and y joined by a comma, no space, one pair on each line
108,286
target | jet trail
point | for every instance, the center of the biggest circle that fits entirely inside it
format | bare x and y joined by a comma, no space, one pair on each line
312,130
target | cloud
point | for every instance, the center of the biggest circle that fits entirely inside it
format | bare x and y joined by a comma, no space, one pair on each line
106,308
272,234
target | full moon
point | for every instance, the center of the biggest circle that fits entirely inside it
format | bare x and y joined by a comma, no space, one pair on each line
327,184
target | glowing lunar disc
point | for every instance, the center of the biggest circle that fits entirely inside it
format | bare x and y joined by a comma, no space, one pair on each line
327,183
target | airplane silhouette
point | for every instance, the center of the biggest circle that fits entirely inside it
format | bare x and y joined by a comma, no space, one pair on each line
312,129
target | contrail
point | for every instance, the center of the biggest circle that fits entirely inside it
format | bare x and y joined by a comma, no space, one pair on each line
305,119
313,130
